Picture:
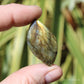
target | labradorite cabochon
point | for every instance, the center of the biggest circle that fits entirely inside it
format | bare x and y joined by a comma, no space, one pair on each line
42,42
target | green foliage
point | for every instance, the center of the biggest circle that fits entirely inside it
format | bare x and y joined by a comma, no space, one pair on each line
15,53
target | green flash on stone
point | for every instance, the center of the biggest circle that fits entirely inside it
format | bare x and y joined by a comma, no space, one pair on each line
42,42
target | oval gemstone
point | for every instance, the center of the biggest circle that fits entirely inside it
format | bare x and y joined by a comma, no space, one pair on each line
42,42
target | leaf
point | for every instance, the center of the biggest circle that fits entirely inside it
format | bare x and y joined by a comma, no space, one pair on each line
73,45
17,49
7,35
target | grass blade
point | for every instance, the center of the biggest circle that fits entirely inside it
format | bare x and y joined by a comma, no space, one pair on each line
18,49
73,45
60,39
6,36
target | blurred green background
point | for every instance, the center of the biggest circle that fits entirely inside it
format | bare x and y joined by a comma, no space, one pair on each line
65,19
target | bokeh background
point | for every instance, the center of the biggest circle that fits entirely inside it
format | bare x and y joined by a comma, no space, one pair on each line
65,19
